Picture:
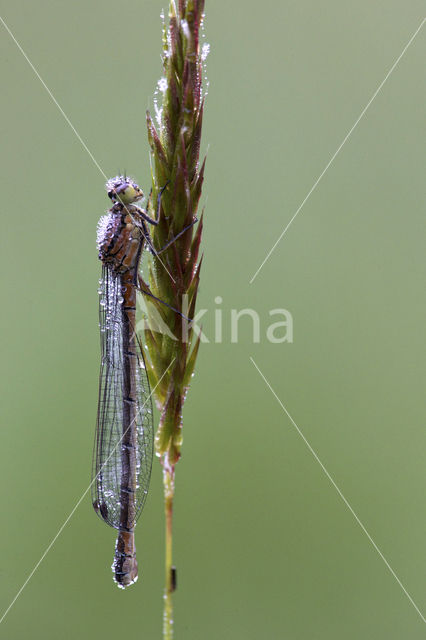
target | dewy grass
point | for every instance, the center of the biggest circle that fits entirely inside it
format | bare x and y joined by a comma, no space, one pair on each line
174,276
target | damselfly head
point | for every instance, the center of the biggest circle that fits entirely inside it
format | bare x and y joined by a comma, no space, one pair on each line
123,189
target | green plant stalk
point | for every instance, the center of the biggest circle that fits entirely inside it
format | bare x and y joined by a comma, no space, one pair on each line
169,581
174,275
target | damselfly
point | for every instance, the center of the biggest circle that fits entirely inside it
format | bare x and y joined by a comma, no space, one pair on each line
123,450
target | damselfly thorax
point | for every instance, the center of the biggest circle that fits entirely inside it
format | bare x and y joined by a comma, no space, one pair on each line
121,238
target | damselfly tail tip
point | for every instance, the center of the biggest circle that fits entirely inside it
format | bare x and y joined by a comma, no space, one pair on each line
125,572
125,565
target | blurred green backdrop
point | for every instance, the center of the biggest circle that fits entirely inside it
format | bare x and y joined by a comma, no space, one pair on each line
264,545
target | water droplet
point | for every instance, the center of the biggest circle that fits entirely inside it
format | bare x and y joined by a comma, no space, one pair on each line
205,51
162,85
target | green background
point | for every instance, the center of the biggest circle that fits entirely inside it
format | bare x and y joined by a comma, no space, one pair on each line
264,545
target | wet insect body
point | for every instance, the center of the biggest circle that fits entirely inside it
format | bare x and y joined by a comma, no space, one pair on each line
123,450
124,435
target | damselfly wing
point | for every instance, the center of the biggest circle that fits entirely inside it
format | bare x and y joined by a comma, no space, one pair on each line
117,361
